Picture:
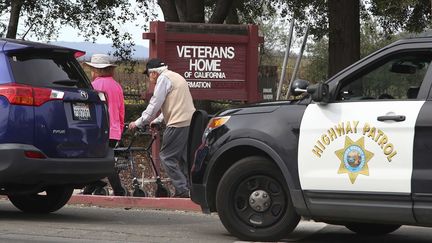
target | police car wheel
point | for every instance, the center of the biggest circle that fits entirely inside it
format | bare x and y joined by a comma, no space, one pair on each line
372,229
253,201
52,199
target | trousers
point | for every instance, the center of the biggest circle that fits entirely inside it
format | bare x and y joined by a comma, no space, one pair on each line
173,156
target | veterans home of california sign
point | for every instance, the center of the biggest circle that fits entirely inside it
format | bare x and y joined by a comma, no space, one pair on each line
220,62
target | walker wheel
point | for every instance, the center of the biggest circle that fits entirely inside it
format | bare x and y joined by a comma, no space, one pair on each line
139,193
101,191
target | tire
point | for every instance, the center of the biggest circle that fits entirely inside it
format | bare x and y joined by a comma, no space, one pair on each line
139,193
161,192
101,191
270,216
54,199
372,229
127,193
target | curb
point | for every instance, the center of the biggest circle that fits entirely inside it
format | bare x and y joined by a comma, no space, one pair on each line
184,204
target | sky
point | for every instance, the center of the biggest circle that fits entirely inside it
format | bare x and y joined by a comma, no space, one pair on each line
70,34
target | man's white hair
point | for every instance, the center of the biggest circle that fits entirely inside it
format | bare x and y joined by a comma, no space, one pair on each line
159,69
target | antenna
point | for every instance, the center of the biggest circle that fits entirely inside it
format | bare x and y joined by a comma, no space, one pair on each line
27,31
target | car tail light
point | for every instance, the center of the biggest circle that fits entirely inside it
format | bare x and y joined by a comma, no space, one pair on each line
34,155
79,54
19,94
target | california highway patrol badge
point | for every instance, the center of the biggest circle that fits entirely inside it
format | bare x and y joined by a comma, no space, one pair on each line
354,159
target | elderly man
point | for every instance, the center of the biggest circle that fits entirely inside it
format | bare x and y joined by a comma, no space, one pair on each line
172,96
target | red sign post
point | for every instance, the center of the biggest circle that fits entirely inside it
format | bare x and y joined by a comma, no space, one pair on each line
220,62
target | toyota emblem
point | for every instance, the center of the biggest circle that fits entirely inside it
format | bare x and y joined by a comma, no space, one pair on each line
83,94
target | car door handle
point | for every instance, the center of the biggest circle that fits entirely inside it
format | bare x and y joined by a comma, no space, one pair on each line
397,118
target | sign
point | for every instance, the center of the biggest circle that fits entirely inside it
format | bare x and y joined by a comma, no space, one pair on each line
219,62
209,66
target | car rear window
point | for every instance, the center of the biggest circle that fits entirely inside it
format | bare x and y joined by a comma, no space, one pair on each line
47,69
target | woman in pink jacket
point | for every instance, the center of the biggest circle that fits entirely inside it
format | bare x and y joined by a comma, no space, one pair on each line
102,72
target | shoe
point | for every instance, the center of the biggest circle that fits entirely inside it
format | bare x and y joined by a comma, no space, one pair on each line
184,194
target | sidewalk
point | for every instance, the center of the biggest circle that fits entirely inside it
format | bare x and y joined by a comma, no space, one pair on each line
184,204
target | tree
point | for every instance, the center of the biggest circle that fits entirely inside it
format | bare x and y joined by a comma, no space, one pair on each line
372,38
337,19
16,6
182,10
340,21
343,25
102,17
317,62
344,34
275,32
396,15
229,11
94,18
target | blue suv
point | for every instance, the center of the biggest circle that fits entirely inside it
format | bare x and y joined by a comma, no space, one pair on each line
53,126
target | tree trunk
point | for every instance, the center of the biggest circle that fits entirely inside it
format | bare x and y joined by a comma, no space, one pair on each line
169,10
182,10
344,34
16,6
195,11
232,17
221,11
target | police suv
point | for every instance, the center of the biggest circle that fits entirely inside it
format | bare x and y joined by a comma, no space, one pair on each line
353,151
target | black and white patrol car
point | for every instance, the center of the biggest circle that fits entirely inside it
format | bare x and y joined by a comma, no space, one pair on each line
354,151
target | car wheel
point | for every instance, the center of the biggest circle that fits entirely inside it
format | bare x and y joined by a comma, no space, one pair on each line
253,201
372,229
52,200
139,193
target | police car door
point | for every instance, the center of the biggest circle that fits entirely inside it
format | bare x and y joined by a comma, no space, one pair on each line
356,152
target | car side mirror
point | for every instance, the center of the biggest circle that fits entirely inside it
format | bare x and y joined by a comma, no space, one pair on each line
319,92
299,87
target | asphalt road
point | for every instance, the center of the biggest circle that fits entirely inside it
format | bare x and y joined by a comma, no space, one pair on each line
94,224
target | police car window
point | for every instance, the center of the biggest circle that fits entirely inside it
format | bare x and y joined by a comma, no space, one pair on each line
397,77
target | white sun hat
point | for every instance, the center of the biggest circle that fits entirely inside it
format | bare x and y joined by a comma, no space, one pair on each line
100,61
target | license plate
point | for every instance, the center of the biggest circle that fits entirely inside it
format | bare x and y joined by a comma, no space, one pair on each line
81,111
